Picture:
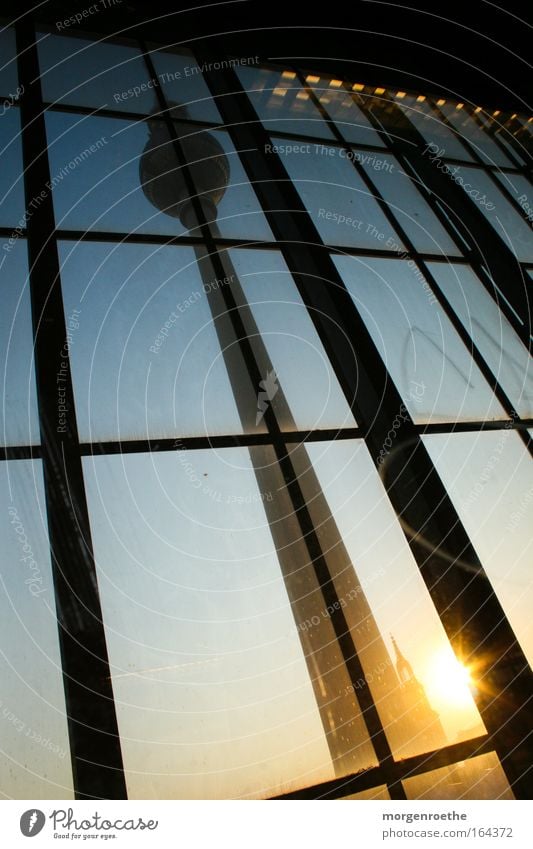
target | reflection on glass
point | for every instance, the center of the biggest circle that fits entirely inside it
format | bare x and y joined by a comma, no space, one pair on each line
218,693
8,69
349,118
431,127
504,133
19,403
95,166
492,334
505,219
342,208
34,752
469,129
182,82
145,358
11,173
281,102
239,215
476,778
94,74
411,210
293,345
432,369
490,481
419,687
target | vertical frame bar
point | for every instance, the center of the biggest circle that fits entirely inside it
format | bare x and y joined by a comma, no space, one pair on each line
92,723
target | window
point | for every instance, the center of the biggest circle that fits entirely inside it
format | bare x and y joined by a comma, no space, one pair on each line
145,356
8,71
20,424
342,108
431,367
341,206
492,334
11,185
281,103
489,479
95,165
35,754
433,129
468,128
207,662
478,778
256,616
95,74
507,221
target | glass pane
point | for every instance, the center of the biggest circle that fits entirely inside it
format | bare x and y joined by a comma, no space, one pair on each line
293,346
507,222
489,477
8,64
219,694
281,102
145,358
342,208
349,118
374,793
431,127
34,753
492,334
504,133
432,369
20,424
99,169
476,778
182,83
11,174
419,688
505,138
521,190
407,204
469,129
94,74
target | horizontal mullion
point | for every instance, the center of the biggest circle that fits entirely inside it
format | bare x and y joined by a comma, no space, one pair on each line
104,112
181,443
486,166
395,771
154,239
159,239
402,256
469,427
9,231
326,142
20,452
135,446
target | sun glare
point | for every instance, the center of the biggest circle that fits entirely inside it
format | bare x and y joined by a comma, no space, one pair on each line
450,680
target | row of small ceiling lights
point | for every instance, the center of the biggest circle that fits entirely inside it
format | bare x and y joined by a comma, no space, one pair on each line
333,83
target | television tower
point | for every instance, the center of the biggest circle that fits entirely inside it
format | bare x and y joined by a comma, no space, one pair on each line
183,190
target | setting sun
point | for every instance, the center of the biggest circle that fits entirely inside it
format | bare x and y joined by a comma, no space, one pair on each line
450,679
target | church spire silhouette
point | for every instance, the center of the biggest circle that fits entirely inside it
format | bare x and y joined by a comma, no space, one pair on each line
425,720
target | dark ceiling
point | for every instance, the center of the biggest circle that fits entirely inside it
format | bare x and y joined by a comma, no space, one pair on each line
476,51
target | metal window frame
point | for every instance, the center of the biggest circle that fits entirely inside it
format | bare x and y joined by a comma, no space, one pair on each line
416,491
